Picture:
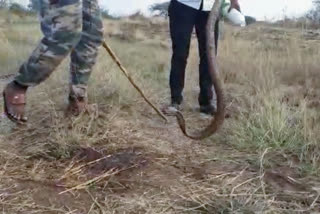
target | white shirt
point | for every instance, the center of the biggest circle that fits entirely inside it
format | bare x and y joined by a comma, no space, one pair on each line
207,4
236,17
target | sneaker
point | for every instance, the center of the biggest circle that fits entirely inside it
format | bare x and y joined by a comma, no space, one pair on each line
171,109
208,109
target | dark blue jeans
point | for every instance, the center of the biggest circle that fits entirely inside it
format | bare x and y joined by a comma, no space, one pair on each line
182,21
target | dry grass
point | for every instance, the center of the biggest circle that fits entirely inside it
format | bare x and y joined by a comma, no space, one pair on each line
264,160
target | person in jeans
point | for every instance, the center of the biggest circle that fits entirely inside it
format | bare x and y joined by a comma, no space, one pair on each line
184,16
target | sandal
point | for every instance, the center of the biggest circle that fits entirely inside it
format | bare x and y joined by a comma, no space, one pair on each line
14,97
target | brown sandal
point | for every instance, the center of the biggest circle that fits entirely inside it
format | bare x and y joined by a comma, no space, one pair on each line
14,97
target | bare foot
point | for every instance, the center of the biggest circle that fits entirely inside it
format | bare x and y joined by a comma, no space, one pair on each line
14,102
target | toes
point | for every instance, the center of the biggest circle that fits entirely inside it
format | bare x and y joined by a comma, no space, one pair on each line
17,116
11,117
10,112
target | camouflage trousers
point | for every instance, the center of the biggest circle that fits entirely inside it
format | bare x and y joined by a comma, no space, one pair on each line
68,26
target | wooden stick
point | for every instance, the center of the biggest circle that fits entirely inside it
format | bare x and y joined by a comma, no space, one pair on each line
125,72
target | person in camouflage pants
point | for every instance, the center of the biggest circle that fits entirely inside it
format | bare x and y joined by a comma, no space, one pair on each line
68,26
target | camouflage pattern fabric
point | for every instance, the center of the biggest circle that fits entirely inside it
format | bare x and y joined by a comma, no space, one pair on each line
68,26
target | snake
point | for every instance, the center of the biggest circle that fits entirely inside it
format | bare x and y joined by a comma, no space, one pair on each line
219,116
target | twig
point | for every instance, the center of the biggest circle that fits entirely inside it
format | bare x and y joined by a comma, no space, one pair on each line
262,171
33,206
96,179
314,202
109,173
96,202
243,183
79,168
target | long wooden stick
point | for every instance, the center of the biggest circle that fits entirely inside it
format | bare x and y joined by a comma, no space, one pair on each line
125,72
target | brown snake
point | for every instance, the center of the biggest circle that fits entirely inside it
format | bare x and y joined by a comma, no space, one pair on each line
218,119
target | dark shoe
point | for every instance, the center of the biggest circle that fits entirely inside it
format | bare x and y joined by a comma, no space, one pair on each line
77,106
78,101
208,109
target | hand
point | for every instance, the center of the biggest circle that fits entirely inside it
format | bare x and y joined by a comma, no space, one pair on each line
235,4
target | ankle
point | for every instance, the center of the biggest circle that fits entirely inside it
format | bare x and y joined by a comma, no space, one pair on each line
18,85
176,102
74,98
